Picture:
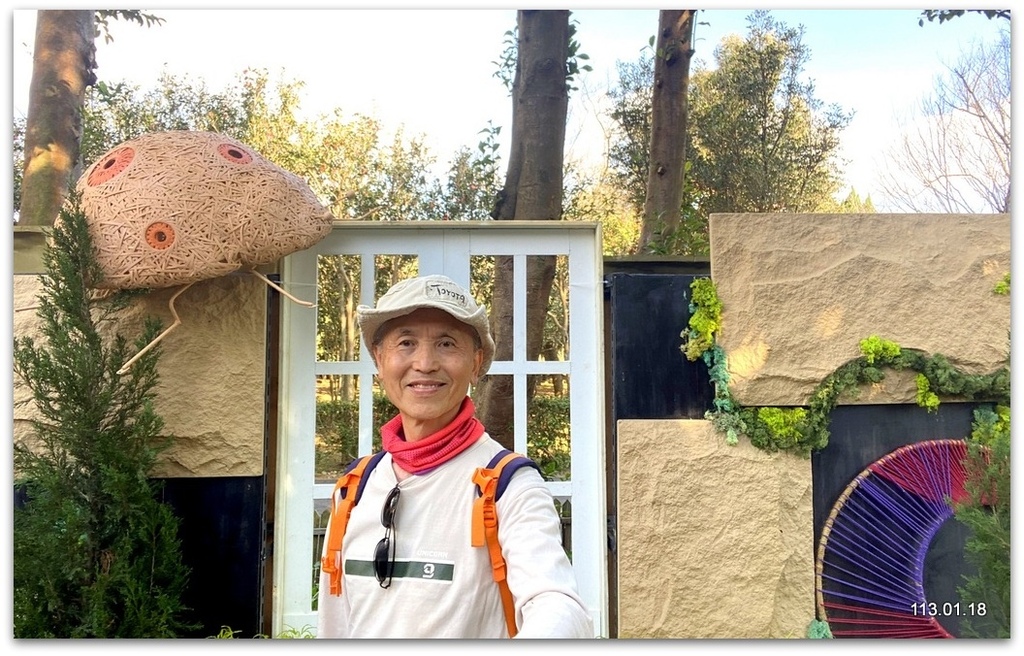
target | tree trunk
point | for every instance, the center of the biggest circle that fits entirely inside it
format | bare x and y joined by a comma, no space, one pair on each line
532,191
673,51
63,66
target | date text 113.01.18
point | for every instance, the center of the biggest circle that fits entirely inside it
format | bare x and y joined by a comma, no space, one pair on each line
930,608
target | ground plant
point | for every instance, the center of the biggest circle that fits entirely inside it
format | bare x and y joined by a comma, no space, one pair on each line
96,554
987,515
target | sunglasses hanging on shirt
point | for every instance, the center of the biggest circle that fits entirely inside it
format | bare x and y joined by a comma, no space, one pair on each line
384,554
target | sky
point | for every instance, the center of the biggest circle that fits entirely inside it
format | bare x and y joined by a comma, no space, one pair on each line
430,72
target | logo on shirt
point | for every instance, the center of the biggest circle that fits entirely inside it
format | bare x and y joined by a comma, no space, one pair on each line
406,569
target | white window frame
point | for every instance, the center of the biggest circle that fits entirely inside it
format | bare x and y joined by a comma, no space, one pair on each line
445,248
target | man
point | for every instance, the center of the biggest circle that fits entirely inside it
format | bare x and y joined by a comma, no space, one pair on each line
407,567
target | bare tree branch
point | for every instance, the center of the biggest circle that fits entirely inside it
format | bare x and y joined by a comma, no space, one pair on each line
955,156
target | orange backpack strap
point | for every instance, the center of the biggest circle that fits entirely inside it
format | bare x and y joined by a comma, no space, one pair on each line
346,494
490,483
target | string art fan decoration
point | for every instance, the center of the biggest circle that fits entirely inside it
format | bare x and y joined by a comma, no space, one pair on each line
172,208
871,555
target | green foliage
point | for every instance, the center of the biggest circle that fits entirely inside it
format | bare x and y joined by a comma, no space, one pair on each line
103,17
473,181
337,430
853,204
548,430
659,53
936,376
507,61
18,156
778,428
1003,286
760,140
225,633
718,372
944,15
987,515
705,318
96,555
926,398
732,424
991,427
505,65
629,152
606,203
629,160
573,58
726,417
288,633
690,236
875,348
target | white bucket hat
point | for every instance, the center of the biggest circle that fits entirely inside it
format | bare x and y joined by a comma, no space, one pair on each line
434,291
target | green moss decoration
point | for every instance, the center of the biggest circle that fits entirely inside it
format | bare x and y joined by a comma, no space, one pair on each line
705,318
926,398
876,348
1003,286
785,425
817,630
805,430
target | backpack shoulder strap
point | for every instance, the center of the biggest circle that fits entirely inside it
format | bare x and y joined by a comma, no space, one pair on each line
491,482
347,492
373,460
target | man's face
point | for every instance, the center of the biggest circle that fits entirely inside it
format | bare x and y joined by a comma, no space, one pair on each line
426,362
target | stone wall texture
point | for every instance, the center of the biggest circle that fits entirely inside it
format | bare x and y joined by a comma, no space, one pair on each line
715,541
212,392
799,292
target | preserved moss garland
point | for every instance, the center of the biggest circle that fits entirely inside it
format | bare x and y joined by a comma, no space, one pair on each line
805,430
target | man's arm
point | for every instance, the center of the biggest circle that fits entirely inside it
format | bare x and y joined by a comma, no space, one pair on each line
540,576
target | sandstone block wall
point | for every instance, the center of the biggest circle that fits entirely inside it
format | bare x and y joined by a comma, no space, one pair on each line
212,373
799,292
715,541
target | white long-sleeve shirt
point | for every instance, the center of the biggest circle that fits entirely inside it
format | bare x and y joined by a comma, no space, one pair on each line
442,586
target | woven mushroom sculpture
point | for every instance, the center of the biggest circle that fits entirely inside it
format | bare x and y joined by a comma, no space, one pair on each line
172,208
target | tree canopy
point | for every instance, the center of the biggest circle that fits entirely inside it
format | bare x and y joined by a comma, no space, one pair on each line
759,139
762,141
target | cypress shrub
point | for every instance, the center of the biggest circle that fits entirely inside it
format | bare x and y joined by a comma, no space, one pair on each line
96,554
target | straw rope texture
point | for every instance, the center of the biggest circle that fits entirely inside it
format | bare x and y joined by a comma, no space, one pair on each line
172,208
871,554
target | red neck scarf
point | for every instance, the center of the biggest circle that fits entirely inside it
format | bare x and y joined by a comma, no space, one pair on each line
435,449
